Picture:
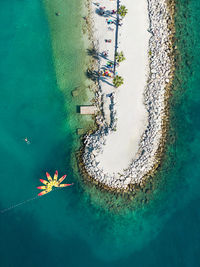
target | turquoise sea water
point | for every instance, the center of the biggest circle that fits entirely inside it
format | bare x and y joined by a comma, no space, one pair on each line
69,227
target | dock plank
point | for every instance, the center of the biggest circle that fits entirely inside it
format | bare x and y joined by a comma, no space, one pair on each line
88,110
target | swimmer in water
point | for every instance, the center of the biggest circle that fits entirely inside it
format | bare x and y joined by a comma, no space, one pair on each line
27,141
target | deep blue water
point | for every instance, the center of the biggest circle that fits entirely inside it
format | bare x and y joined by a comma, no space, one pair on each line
70,227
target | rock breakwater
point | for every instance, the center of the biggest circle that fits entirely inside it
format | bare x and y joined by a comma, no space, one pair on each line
155,99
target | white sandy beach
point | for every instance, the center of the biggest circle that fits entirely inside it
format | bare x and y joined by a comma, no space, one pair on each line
122,144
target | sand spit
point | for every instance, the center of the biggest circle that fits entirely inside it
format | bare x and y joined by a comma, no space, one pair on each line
104,157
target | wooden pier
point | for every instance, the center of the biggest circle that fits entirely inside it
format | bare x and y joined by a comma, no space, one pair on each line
88,110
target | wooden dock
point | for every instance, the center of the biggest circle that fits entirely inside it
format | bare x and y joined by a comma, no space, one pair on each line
88,110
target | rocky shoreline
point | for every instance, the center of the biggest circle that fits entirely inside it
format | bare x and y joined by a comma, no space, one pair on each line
161,69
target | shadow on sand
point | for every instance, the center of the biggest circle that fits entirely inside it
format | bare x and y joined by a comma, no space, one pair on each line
93,53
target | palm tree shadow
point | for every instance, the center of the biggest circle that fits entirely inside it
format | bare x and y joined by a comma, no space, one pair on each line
104,80
93,53
93,75
103,13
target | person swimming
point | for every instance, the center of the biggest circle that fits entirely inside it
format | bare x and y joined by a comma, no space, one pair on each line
27,141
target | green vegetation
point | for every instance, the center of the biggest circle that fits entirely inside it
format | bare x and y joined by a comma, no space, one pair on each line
119,57
122,11
150,53
118,81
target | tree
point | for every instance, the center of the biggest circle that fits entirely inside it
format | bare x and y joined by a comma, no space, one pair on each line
117,81
122,11
119,57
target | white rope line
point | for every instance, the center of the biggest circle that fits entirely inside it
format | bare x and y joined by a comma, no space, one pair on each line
25,201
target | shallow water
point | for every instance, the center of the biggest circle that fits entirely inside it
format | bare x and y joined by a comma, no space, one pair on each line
77,226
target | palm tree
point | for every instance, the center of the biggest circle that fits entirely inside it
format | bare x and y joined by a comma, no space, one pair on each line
119,57
122,11
117,81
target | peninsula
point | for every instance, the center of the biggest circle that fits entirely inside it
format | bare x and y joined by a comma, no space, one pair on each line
132,117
